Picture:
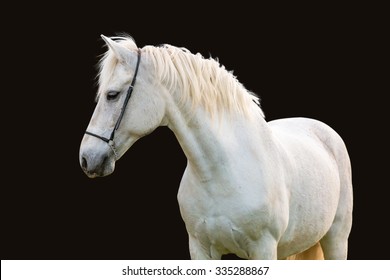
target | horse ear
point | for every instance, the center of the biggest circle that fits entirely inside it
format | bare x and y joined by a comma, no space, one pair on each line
120,52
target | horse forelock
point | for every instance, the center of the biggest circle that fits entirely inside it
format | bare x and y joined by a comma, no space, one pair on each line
108,62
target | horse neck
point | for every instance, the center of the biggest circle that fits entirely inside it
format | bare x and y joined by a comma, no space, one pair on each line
211,143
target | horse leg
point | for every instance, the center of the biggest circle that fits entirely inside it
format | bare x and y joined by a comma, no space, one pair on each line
335,242
334,247
313,253
199,252
264,249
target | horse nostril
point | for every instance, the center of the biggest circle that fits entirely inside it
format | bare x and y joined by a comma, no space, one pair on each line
84,163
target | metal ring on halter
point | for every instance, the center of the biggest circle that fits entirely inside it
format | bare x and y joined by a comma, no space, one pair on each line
112,146
110,141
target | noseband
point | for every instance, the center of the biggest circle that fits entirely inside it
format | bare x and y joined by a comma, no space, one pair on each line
110,141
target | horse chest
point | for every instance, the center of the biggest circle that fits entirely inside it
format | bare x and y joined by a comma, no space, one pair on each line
227,224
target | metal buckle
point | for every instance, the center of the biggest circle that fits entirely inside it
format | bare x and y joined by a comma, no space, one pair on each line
112,146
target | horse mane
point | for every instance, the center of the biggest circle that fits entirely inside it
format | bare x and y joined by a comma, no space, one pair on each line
200,81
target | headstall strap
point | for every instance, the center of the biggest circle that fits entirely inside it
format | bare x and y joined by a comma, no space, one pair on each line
110,141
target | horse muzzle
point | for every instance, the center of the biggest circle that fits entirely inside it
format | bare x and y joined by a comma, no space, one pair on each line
95,164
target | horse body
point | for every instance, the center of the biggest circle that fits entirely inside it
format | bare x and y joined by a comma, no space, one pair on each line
281,187
256,189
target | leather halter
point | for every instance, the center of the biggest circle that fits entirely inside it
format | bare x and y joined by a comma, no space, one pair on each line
110,141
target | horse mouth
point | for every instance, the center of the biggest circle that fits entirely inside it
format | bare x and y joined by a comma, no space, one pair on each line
95,174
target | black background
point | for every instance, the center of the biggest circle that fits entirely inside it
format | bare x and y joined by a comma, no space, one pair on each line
322,62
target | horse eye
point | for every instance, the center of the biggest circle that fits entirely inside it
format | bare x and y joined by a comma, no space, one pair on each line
111,95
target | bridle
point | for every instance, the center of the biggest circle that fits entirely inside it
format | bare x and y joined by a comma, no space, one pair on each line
110,141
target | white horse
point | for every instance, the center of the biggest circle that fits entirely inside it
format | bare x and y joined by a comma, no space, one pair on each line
257,189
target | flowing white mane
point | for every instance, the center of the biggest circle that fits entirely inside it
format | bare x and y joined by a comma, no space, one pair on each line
203,82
